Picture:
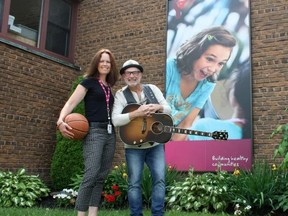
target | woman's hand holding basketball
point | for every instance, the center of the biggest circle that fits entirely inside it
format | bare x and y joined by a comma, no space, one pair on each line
74,126
65,130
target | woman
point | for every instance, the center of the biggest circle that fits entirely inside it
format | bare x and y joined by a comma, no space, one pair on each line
99,144
238,87
190,76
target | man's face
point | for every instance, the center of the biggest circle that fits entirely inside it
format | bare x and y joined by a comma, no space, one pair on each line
132,76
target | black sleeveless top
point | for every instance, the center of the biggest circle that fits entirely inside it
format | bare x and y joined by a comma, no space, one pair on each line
95,101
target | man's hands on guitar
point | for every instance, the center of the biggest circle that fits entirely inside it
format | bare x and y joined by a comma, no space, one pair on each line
145,110
148,109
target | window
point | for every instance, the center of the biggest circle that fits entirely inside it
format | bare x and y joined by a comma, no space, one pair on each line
24,21
43,25
58,27
1,12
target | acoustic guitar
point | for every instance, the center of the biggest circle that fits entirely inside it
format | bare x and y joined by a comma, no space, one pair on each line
157,128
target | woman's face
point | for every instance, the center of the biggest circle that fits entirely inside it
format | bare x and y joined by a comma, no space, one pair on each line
211,62
104,65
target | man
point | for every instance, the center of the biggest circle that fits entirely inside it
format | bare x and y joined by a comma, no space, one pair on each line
150,100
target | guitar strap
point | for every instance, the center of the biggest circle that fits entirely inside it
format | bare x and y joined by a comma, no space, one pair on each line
129,96
149,94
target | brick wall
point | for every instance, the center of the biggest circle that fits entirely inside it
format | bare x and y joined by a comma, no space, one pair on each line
33,89
32,92
270,74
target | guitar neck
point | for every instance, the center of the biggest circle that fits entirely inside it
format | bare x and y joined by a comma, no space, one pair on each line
170,129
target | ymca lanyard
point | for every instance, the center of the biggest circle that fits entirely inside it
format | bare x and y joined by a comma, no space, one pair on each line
107,96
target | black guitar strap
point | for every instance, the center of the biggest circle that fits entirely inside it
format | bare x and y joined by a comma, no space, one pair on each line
147,92
150,95
129,96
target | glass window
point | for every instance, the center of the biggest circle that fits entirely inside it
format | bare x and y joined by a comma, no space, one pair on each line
1,13
24,21
58,28
43,25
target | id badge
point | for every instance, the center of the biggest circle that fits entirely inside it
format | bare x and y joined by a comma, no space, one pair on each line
109,129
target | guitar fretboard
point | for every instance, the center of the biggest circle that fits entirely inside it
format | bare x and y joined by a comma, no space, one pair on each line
169,129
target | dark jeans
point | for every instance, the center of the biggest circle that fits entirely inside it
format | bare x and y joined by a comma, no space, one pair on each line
155,159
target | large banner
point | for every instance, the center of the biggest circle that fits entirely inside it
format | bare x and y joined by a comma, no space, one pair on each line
208,84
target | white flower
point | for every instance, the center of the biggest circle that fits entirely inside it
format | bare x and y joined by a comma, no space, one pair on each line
74,193
238,212
63,196
247,208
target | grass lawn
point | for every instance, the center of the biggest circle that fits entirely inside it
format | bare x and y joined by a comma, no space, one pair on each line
71,212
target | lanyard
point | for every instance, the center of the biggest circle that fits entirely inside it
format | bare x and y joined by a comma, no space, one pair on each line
107,96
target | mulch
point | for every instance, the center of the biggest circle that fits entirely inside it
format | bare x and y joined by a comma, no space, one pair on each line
47,202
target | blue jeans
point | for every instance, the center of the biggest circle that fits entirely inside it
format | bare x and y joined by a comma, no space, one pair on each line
155,159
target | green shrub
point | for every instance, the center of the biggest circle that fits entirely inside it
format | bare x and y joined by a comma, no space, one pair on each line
259,188
258,192
172,176
203,192
281,194
67,159
282,149
146,186
76,181
255,186
21,190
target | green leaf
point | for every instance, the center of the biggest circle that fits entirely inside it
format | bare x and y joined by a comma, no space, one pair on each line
16,200
21,171
172,199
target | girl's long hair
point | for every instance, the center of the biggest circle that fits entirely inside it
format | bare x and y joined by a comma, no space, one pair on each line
192,50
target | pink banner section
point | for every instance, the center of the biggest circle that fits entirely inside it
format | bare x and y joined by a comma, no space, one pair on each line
209,155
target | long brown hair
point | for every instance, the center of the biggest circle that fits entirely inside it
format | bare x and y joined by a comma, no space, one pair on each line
92,71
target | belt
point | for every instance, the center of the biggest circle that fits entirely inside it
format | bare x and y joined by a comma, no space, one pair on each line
99,124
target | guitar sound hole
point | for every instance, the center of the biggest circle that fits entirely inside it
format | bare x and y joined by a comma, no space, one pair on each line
157,127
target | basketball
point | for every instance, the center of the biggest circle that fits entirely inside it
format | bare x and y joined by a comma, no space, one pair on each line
79,124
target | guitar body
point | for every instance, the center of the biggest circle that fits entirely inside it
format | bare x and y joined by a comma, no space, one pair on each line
145,129
157,128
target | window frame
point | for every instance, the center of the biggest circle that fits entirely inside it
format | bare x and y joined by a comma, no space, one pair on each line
42,31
